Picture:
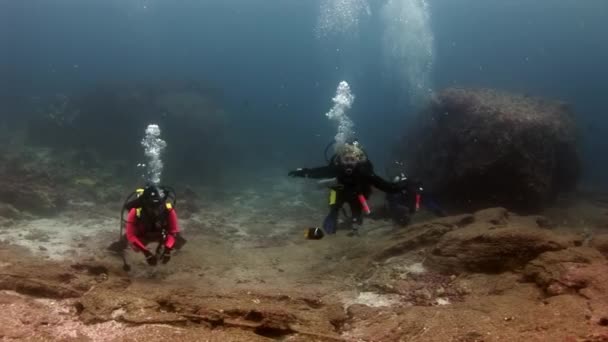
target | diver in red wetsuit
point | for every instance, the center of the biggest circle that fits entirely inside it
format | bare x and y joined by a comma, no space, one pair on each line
154,220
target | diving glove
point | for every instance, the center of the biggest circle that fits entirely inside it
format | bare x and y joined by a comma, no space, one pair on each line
301,172
166,256
150,258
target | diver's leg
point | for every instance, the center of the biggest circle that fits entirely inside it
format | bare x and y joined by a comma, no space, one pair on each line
357,215
399,208
400,215
330,223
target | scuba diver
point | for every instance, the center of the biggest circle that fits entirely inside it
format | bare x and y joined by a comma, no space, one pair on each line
400,206
354,177
151,218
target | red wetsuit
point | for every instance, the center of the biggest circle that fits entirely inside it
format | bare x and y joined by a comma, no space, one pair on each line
138,231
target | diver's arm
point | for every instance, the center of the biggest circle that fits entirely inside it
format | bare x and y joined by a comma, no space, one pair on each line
132,231
318,172
173,229
384,185
367,170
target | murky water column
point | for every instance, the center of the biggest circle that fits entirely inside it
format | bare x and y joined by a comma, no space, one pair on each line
408,41
409,45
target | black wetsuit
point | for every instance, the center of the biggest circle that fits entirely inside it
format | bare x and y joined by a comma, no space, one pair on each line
352,182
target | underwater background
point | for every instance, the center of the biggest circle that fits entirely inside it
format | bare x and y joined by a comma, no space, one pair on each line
497,107
274,65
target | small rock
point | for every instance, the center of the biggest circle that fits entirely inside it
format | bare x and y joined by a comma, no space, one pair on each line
424,294
361,311
4,223
442,301
556,289
600,242
42,248
101,278
8,211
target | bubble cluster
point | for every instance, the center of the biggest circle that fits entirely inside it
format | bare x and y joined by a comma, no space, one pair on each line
153,148
409,45
341,16
343,101
407,37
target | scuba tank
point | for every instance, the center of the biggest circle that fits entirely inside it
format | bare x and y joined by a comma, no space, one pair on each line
328,183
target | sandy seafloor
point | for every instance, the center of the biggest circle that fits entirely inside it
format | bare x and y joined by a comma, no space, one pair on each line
248,262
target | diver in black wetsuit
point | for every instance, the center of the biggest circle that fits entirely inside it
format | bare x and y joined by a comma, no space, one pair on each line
355,176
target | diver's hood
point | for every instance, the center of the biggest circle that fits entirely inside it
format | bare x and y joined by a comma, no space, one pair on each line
350,155
153,197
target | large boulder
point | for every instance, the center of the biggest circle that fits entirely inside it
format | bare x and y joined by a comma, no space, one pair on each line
478,148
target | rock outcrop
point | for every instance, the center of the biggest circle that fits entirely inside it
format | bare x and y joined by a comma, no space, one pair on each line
496,243
566,271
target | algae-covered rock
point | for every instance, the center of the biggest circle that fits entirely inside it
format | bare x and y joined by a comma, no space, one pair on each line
33,198
30,182
480,147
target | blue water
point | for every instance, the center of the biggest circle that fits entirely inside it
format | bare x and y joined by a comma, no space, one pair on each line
278,74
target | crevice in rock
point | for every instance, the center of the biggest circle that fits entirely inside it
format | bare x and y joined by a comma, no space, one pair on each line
273,329
91,269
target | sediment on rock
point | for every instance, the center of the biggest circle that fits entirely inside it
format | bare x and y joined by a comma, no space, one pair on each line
570,270
491,240
498,242
423,234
